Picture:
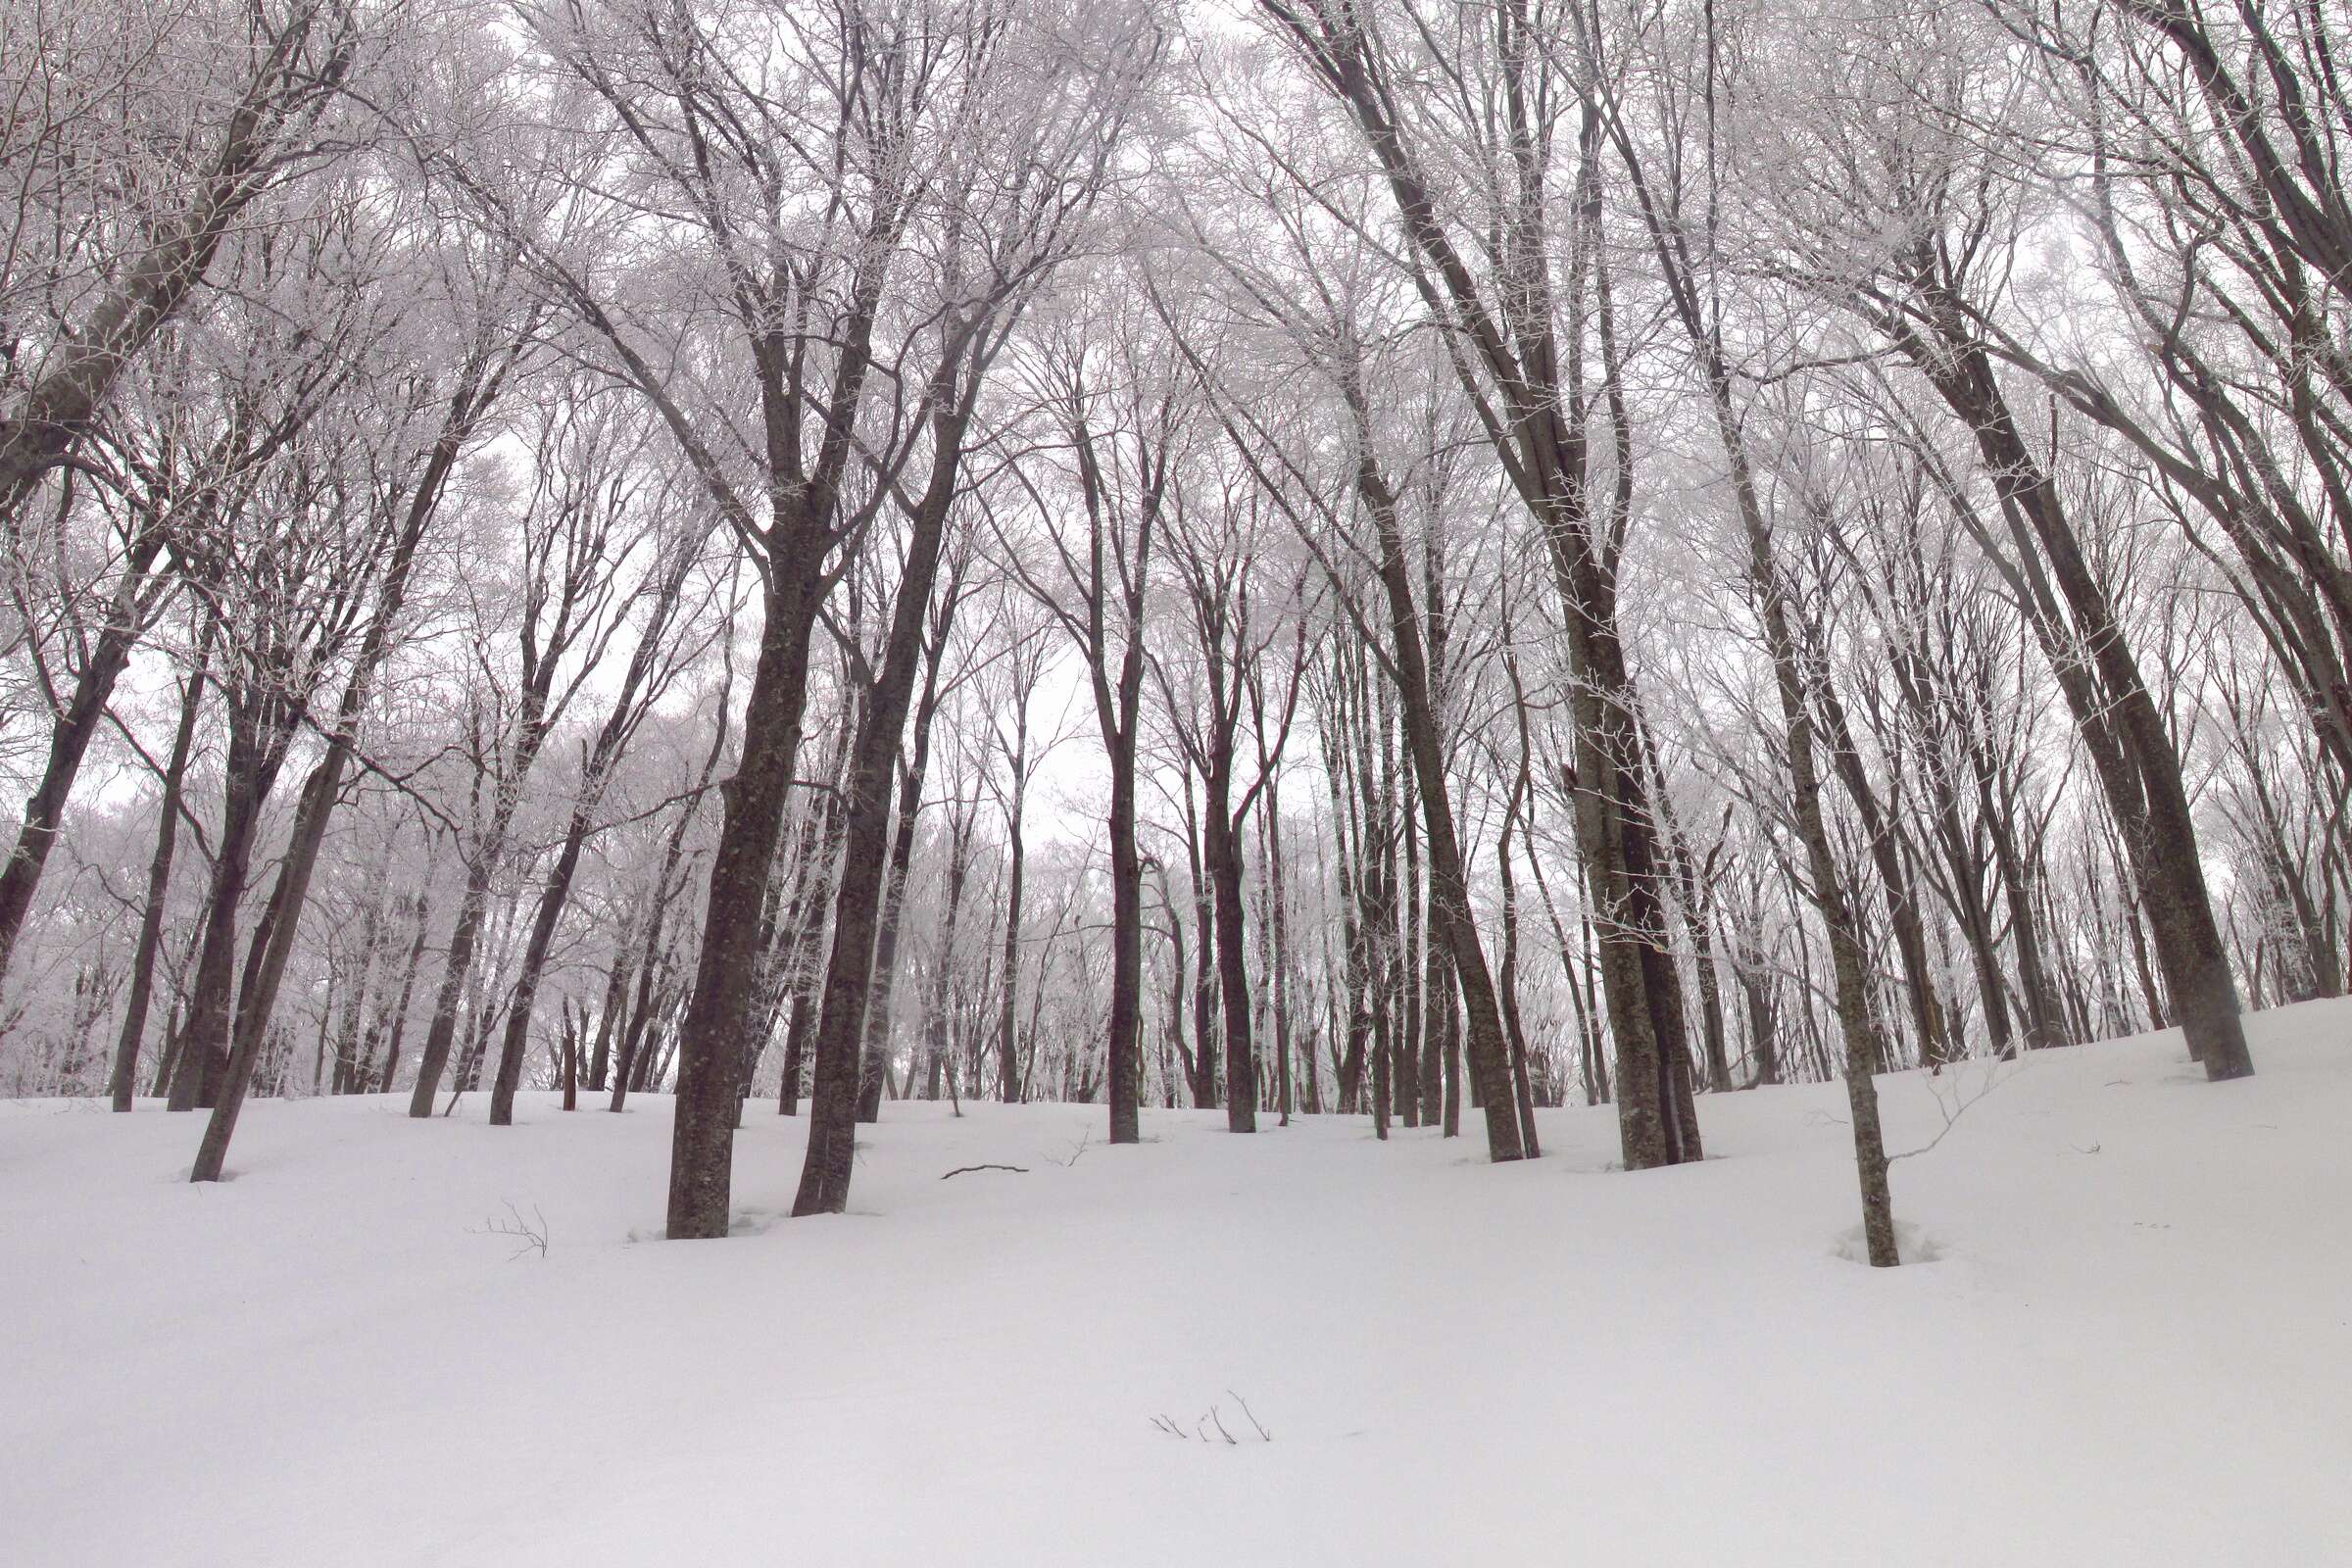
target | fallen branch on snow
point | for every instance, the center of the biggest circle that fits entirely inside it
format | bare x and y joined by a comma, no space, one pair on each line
960,1170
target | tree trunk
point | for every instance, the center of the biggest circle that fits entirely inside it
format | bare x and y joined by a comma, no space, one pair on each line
1009,1068
256,750
1449,887
551,899
408,988
1224,864
158,882
2133,753
841,1023
874,1071
70,740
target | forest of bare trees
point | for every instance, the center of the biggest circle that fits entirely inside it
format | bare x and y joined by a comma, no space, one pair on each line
1413,559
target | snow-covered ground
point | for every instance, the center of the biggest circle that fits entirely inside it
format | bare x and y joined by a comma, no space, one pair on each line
2133,1344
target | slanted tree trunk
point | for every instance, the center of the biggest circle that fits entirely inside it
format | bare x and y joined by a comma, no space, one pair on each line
874,1070
129,611
159,880
2132,752
477,388
1449,886
256,751
639,684
1530,398
841,1022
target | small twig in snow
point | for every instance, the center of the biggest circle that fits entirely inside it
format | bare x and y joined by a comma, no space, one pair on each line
960,1170
532,1236
1214,1416
1957,1106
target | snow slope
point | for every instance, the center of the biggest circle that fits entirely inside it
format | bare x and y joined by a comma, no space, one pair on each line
2133,1344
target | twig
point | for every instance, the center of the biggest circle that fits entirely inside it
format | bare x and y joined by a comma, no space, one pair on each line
1212,1417
533,1238
1956,1107
960,1170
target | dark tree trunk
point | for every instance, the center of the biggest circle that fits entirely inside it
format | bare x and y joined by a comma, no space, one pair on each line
572,1057
256,751
2137,762
720,1008
1506,984
127,612
477,388
158,882
1279,957
1224,864
875,1069
841,1022
1449,887
1009,1066
1413,961
551,899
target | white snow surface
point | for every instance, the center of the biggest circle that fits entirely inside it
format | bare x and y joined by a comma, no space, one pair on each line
2132,1343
